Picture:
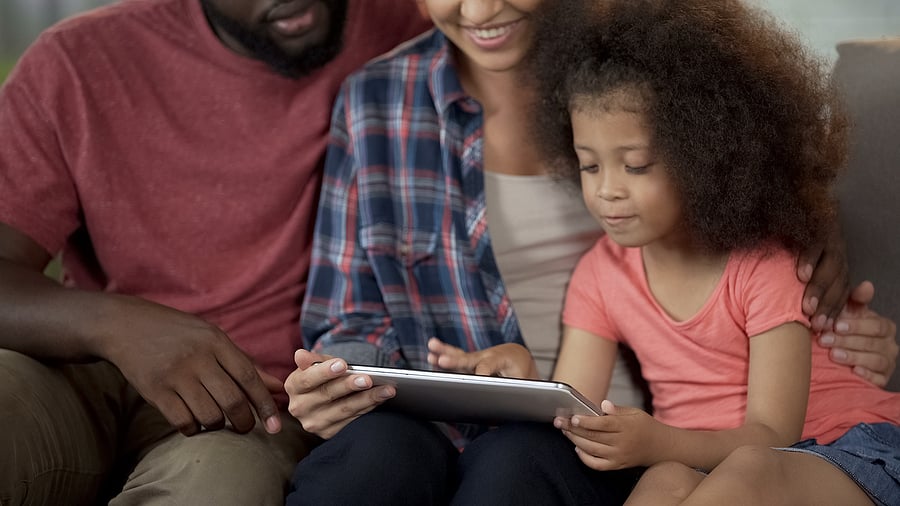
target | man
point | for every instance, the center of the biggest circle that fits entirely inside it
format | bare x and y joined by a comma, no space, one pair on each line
171,149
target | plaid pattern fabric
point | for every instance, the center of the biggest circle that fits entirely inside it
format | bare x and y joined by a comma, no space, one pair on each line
402,251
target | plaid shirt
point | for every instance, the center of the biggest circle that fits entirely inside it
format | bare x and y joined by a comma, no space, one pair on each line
401,251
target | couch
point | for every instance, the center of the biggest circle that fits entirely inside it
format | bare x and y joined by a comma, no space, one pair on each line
868,74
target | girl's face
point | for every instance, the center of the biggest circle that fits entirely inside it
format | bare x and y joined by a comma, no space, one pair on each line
625,185
491,34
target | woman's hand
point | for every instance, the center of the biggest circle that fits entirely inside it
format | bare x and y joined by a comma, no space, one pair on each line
509,359
325,399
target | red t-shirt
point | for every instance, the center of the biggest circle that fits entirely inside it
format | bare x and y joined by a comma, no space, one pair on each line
193,171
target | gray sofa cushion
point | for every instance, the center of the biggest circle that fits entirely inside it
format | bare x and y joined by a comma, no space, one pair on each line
868,72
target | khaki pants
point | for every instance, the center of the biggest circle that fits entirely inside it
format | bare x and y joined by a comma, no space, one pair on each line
79,434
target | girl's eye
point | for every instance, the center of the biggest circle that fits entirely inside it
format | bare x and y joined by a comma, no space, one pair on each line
637,170
590,169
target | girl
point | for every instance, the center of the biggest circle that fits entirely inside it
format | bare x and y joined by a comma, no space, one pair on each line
706,143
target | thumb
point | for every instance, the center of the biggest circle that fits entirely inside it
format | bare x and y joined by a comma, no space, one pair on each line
608,407
862,294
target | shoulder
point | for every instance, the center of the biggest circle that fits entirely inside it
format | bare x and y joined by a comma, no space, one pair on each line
411,60
377,26
769,261
111,28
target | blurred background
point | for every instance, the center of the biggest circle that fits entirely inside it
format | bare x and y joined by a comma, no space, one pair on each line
821,22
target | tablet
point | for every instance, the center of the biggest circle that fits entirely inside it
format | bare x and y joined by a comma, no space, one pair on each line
457,397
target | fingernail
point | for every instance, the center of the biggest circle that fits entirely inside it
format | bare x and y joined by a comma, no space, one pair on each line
842,326
337,366
806,271
813,303
385,393
839,355
829,323
826,339
820,321
360,382
273,424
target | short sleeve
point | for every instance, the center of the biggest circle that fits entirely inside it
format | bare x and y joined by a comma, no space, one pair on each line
772,294
584,306
37,194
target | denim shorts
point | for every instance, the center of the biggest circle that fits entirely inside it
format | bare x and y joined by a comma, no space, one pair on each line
870,454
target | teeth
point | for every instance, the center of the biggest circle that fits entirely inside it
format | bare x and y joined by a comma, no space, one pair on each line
492,33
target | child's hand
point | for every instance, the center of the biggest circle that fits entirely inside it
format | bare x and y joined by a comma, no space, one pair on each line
625,437
510,360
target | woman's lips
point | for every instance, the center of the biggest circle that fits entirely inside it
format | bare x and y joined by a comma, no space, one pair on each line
492,37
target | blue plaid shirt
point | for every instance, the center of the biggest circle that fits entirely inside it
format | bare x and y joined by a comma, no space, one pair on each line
401,250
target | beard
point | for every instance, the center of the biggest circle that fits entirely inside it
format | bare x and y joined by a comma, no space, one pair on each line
262,47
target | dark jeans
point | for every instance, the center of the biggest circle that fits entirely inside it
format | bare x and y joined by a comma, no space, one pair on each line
390,459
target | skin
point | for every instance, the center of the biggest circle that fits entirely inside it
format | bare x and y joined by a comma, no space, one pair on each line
293,37
325,400
186,367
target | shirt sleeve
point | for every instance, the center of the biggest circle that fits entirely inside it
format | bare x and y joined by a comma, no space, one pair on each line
37,194
584,305
772,293
344,304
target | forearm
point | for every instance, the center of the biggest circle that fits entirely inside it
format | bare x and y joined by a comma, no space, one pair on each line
706,449
40,318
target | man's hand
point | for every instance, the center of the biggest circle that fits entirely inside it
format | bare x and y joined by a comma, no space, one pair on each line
510,360
824,269
185,367
863,339
325,399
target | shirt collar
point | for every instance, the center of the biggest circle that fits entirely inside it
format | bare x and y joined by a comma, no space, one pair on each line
443,78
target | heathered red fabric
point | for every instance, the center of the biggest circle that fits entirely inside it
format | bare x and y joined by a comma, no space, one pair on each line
193,170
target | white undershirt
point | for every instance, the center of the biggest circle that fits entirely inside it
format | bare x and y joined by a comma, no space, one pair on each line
539,229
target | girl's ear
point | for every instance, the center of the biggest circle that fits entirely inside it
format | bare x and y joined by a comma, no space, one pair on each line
422,9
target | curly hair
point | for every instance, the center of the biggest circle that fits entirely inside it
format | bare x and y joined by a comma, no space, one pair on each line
745,118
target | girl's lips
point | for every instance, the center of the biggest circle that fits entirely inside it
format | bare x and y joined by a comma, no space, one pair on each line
615,221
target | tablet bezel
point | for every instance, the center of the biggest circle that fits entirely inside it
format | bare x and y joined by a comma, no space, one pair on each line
470,398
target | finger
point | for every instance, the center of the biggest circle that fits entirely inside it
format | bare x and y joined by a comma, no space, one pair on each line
176,413
305,358
828,279
331,418
594,462
488,366
462,362
866,334
274,384
877,379
835,298
230,399
310,376
863,293
874,362
244,374
807,260
203,407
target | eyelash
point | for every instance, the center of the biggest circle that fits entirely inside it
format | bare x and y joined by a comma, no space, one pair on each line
631,170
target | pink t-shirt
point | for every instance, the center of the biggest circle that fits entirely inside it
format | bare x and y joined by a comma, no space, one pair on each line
193,171
697,368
